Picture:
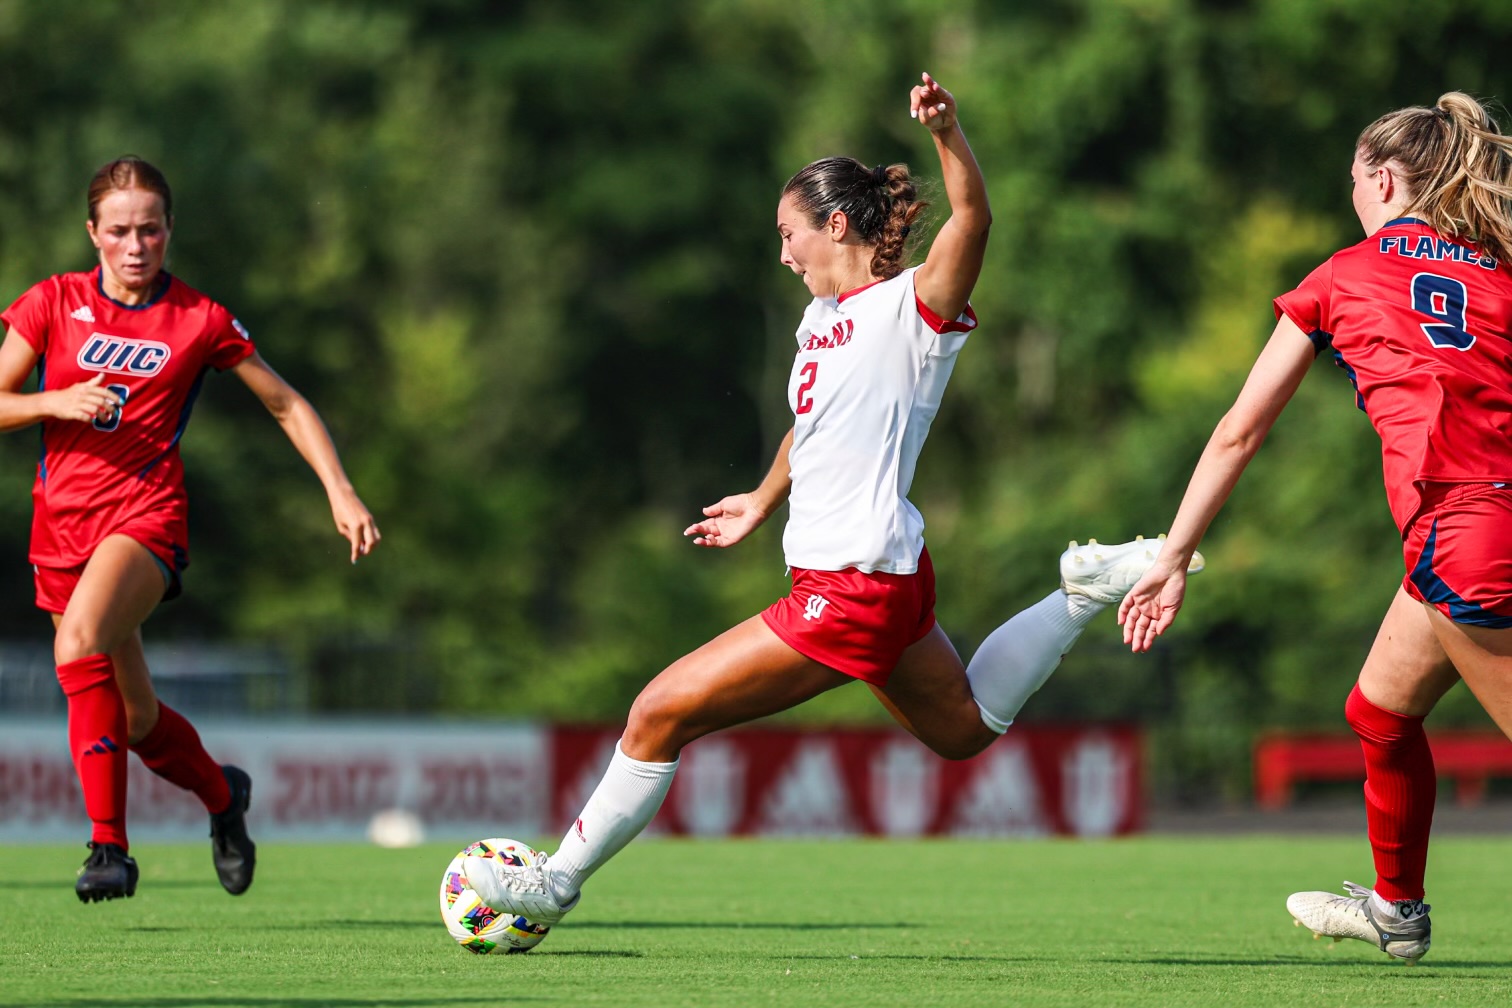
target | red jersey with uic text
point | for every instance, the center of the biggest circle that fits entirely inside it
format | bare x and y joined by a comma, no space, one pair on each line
1423,327
97,478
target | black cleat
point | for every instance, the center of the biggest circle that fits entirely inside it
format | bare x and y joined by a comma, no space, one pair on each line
108,873
234,852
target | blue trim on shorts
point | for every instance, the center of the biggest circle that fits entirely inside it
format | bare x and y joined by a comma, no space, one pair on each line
1426,580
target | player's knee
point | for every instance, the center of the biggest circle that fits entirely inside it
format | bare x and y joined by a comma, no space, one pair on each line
656,729
961,748
72,642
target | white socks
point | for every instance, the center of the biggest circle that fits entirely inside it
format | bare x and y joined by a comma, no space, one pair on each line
1017,657
623,804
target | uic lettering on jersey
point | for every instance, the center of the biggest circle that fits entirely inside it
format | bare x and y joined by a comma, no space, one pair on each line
118,355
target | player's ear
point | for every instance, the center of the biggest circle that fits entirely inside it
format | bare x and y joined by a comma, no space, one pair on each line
94,238
1388,186
837,226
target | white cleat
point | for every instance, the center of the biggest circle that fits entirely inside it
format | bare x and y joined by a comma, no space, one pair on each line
1106,573
1329,915
523,890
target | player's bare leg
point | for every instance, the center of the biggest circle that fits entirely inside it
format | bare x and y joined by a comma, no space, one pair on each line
1405,674
928,693
745,673
1484,658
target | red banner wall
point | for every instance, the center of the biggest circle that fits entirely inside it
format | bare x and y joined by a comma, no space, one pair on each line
1035,781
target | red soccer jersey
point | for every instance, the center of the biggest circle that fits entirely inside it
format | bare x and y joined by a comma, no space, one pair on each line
95,478
1423,327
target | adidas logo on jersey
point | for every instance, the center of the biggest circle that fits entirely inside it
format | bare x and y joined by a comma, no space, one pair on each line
123,356
82,314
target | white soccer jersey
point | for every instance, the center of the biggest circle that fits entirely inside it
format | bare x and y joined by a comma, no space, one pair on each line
866,384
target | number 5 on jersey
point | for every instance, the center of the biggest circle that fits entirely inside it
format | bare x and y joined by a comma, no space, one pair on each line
804,401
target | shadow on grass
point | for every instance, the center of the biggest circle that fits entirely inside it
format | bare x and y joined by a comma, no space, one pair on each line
241,1001
64,884
1424,969
577,925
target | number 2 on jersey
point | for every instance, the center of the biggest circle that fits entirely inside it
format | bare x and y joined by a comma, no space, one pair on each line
114,421
805,399
1443,298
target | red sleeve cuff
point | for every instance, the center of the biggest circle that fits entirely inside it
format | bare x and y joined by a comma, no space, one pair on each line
940,325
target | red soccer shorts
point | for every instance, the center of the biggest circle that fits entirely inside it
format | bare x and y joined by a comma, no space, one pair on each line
55,585
1459,553
854,622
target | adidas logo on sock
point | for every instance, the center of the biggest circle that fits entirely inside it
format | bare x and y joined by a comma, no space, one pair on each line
100,748
82,314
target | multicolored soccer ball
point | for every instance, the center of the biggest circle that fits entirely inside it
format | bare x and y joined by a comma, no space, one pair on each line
476,926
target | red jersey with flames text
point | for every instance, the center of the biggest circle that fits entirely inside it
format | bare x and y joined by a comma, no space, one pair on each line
871,368
1423,328
96,478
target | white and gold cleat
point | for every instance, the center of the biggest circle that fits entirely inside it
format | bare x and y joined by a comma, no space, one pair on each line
1329,915
1106,573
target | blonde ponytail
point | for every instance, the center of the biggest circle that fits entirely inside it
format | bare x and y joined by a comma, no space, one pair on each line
1456,166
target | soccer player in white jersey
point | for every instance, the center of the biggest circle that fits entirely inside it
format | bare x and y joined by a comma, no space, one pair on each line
875,349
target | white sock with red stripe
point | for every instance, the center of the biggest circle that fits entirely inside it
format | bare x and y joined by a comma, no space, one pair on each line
623,804
1017,657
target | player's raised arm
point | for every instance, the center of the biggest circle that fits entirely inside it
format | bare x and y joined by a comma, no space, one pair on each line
950,271
309,436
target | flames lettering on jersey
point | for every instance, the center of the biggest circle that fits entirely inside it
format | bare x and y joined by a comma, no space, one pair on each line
839,335
118,355
1429,247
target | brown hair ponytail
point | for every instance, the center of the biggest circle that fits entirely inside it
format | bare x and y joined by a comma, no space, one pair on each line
880,203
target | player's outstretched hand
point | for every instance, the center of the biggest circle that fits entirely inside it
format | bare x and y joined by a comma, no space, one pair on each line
727,522
932,105
355,523
1152,604
87,401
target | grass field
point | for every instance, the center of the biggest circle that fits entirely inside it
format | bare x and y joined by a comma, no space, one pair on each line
1150,921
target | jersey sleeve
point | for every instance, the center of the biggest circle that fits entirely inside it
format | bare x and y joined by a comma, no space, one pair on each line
949,334
1308,306
230,343
31,314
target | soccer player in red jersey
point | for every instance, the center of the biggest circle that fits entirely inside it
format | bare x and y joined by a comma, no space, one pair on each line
121,351
1419,315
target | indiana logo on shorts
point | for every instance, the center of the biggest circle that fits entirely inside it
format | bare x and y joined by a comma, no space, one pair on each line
815,607
103,352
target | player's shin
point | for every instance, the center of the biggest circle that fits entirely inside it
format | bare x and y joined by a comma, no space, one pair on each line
1017,657
173,751
1400,791
623,804
97,739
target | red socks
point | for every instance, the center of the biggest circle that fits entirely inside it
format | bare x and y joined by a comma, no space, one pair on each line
173,751
1400,788
97,739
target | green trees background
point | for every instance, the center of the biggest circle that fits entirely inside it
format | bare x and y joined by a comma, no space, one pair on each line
525,265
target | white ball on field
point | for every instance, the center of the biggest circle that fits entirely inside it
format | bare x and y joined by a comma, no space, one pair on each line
396,828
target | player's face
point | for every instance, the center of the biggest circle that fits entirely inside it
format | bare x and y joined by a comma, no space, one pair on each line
131,231
804,249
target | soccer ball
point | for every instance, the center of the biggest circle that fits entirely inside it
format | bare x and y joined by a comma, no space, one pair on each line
476,926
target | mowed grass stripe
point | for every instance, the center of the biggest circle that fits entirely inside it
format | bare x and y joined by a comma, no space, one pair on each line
1148,921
